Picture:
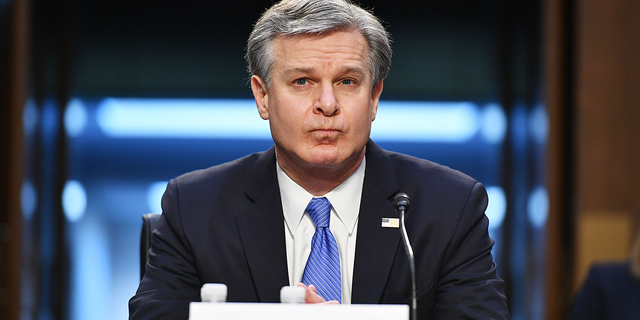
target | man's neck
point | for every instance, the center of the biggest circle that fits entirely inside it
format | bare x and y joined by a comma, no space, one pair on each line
319,180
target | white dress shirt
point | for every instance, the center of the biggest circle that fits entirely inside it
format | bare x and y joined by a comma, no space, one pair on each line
299,228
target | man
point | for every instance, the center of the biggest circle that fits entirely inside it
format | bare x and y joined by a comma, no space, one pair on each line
611,289
317,74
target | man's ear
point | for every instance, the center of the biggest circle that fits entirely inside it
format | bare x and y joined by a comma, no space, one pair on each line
375,98
260,94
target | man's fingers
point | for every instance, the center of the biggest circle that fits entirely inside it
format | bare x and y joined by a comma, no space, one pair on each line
311,295
313,288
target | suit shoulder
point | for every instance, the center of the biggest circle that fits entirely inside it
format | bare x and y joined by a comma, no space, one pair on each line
236,169
413,168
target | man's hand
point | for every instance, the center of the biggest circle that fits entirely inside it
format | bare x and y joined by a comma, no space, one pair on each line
312,295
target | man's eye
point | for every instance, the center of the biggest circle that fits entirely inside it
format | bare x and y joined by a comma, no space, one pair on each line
301,81
347,82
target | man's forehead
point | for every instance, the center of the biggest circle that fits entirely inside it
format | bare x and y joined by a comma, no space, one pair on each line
295,54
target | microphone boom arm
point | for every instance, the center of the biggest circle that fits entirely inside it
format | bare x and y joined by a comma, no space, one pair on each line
401,203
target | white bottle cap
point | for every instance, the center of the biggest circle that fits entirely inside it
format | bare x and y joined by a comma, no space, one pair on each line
292,294
213,292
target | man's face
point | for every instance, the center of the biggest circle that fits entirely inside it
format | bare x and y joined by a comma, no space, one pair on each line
320,102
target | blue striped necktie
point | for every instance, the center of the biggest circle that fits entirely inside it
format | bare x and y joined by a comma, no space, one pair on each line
323,266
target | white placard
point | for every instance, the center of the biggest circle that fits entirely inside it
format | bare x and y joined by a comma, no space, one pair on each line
283,311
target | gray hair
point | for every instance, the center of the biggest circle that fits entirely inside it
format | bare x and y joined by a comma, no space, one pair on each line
316,17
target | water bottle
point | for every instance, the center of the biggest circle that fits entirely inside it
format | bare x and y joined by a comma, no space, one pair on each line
213,292
292,294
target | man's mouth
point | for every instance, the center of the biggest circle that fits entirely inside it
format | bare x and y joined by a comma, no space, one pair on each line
326,134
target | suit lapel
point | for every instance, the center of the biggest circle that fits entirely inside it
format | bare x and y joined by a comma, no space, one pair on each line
261,228
376,246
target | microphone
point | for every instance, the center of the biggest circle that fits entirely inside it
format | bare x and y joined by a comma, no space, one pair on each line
402,203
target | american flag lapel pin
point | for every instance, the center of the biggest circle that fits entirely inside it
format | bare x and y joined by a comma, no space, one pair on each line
390,222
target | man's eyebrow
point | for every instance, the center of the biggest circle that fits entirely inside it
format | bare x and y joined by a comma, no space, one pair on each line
351,69
347,69
298,70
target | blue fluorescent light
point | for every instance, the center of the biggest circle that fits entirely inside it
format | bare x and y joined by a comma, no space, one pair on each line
453,122
75,117
238,119
28,199
181,118
154,196
74,200
538,207
497,208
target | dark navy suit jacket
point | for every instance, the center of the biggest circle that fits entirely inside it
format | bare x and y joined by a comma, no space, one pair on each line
609,292
225,224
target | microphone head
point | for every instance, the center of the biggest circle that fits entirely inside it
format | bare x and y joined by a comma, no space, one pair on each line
401,202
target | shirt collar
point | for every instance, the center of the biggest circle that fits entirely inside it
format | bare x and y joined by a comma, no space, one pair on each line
345,198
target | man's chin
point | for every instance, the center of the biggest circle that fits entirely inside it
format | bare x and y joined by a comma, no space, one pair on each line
330,159
327,162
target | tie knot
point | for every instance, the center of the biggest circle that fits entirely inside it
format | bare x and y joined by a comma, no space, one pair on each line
319,209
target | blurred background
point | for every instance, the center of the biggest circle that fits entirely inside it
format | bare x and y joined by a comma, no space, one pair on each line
102,103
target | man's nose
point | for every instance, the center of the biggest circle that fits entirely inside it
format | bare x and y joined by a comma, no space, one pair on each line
327,103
